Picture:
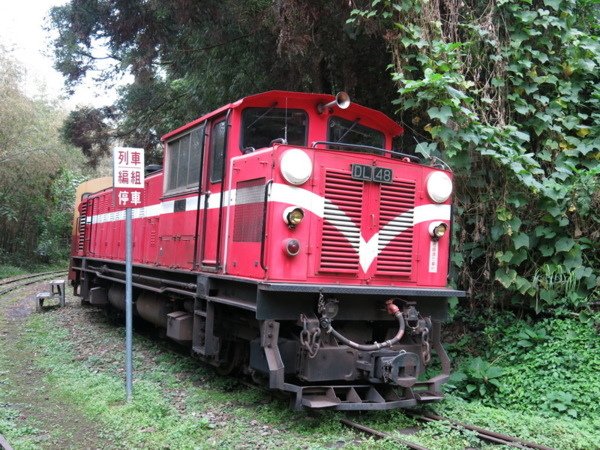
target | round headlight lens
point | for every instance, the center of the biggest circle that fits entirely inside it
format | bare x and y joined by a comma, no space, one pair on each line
437,230
293,216
439,187
296,166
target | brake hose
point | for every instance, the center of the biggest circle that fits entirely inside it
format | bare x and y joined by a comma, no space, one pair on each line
394,311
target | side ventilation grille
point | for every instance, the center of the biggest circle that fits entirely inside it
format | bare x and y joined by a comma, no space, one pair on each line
249,210
81,229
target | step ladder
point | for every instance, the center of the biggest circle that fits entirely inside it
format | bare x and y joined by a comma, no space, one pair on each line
57,290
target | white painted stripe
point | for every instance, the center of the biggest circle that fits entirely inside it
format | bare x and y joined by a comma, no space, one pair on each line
293,195
191,203
297,196
425,213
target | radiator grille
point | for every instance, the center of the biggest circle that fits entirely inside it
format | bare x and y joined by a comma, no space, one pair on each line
397,202
82,227
342,222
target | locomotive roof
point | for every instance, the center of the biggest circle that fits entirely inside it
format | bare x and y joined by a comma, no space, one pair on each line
385,123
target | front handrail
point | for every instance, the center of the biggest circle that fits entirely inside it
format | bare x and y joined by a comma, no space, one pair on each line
412,158
264,226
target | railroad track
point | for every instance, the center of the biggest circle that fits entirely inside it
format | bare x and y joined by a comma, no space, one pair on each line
7,286
481,433
4,445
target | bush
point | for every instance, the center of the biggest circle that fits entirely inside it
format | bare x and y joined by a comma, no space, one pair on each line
551,368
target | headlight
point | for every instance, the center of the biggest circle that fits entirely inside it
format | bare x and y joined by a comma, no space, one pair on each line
437,230
439,187
296,166
292,216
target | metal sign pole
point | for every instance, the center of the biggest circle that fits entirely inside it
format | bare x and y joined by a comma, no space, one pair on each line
128,306
128,184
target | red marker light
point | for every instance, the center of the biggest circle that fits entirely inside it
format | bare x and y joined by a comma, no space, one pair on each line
291,246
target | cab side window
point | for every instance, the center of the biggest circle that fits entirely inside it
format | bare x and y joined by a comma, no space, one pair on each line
217,151
182,171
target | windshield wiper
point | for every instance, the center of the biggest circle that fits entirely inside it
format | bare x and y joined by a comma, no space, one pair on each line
348,130
262,115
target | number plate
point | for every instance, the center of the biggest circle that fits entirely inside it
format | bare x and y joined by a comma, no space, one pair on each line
372,173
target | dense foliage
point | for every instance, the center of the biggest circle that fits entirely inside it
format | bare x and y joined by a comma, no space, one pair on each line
549,368
37,181
188,58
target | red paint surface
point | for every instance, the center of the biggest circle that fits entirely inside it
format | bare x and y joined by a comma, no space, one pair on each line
170,238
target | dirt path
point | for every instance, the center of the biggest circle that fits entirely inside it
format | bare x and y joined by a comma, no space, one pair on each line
57,424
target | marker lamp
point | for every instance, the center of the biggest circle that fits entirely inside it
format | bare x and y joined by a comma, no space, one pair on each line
291,247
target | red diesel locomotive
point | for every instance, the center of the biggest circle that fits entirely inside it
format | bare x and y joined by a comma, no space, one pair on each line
286,238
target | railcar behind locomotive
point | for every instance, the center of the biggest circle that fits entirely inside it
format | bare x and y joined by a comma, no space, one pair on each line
287,239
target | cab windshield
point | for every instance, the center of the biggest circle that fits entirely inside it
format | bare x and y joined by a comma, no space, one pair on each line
263,125
351,132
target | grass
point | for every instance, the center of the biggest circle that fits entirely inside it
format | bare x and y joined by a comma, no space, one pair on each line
20,435
168,410
100,395
562,433
9,270
181,403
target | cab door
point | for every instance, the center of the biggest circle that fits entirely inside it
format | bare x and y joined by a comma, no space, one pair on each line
213,202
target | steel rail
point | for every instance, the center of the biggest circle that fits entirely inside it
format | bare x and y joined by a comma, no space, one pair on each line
483,433
6,281
47,276
381,434
4,445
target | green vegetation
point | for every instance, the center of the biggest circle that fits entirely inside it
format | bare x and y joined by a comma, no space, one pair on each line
100,395
561,433
477,379
6,270
191,58
554,369
38,175
548,369
181,403
19,435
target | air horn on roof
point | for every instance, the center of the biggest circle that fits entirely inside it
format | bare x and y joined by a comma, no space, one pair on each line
341,100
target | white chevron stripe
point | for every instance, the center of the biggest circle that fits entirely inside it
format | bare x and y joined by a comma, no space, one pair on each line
369,250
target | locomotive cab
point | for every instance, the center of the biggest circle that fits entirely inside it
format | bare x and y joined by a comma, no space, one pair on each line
286,238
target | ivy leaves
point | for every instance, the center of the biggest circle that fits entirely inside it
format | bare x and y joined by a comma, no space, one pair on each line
442,114
512,100
476,379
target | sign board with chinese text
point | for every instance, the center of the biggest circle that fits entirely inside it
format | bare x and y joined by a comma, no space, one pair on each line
128,177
